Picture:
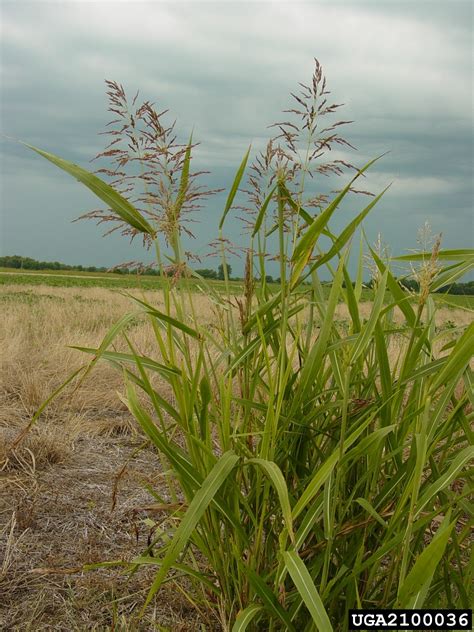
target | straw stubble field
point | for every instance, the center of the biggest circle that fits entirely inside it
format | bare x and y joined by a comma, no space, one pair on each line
76,490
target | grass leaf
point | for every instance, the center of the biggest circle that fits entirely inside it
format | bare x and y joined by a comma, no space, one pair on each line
269,599
307,590
275,475
420,576
245,617
234,187
102,190
193,515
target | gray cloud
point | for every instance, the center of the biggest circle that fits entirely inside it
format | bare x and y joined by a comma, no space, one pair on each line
404,71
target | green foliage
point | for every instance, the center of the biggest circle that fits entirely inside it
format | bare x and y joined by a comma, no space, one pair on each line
27,263
221,271
318,468
458,288
78,279
207,273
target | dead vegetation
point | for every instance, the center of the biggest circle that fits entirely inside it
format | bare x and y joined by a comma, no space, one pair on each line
72,491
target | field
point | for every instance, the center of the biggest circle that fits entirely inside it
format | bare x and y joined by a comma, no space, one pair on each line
88,279
75,492
56,494
53,278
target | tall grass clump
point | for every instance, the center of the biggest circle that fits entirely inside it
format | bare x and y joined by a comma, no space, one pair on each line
309,467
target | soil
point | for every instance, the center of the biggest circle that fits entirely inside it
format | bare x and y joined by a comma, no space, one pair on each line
59,517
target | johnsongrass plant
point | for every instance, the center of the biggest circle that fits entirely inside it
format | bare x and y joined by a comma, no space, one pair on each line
310,467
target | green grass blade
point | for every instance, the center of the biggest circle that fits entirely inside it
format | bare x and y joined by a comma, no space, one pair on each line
162,369
384,367
448,276
191,478
193,515
102,190
296,207
368,329
245,617
348,231
175,455
305,245
314,360
352,302
262,310
307,590
275,475
459,358
184,181
269,599
401,298
324,471
183,568
234,187
259,339
363,446
420,576
450,255
360,269
165,318
107,341
444,480
426,369
166,406
261,213
371,511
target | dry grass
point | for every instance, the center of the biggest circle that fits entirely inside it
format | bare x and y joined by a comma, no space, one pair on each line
57,486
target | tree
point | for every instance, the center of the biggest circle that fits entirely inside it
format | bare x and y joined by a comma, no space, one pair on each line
207,273
220,271
410,284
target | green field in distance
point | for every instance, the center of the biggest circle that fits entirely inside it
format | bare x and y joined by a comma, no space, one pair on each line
66,278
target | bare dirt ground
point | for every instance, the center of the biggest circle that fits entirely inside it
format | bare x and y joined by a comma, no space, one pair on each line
58,518
74,492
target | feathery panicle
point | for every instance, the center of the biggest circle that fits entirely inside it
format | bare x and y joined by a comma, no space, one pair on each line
145,164
299,149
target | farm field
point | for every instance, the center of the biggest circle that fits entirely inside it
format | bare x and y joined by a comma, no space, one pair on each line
66,278
56,493
75,491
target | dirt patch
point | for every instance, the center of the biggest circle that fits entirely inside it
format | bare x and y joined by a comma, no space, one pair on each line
56,517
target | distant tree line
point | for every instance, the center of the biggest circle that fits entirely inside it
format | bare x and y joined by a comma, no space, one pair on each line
27,263
458,288
455,288
208,273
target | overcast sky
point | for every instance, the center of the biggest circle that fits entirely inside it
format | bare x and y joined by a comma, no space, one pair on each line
225,69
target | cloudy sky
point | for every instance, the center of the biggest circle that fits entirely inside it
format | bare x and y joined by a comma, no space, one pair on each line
225,69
